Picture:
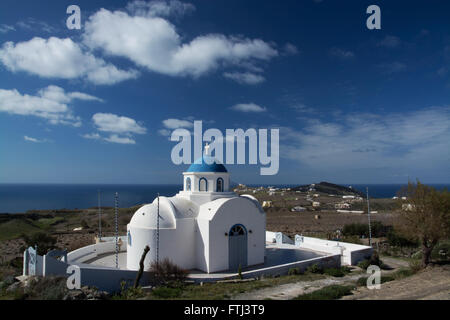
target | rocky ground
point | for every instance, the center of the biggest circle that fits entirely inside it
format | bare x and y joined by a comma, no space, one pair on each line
433,283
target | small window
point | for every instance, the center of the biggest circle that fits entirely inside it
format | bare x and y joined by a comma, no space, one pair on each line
129,238
203,185
219,187
237,230
188,184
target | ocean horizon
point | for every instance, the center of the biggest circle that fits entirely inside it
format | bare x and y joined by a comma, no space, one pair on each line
20,198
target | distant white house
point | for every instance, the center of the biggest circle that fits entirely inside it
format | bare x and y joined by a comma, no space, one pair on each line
407,207
298,209
348,197
267,204
316,204
342,205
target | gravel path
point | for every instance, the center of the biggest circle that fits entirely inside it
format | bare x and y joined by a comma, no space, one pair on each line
432,283
291,290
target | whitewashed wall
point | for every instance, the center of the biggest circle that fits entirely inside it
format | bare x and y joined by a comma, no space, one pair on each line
178,245
224,214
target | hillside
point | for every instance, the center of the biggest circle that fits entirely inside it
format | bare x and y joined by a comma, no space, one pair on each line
329,188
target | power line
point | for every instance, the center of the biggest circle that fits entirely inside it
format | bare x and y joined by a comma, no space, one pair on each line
116,205
368,214
157,235
99,218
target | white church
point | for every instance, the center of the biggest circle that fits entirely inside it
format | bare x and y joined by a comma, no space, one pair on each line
205,227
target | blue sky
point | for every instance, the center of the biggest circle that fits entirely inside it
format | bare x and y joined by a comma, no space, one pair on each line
353,105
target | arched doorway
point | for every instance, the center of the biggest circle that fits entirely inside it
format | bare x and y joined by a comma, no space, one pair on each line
237,247
219,187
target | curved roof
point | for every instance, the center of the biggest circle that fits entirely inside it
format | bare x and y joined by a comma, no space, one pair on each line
207,164
170,210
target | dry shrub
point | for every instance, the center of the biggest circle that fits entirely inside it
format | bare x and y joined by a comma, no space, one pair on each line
166,271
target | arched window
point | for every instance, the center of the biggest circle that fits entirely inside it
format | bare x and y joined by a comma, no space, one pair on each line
219,186
237,230
188,184
129,238
203,185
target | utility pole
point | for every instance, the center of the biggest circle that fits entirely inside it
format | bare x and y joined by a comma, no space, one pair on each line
116,205
157,236
99,218
368,215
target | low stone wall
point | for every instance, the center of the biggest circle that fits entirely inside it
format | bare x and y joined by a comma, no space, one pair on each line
330,261
351,253
92,251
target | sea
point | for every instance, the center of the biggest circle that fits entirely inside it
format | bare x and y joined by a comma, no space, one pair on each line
20,198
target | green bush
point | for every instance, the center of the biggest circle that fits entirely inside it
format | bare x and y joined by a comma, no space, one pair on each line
332,292
362,229
362,282
334,272
167,292
352,239
441,251
364,264
294,271
415,265
315,268
395,239
42,240
130,293
403,273
373,260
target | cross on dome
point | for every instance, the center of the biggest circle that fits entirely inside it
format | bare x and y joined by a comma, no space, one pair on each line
207,149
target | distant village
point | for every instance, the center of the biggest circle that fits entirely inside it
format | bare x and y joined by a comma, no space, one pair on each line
313,197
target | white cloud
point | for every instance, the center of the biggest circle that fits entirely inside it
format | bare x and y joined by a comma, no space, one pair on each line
84,96
108,122
177,123
248,107
245,77
302,108
153,42
164,132
92,136
159,8
114,138
33,24
120,129
50,103
392,67
290,49
341,53
4,28
361,140
389,42
60,58
30,139
58,94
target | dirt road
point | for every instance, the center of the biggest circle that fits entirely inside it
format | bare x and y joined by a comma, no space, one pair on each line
430,284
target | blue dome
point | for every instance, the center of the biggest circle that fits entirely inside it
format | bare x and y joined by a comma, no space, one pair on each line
200,165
